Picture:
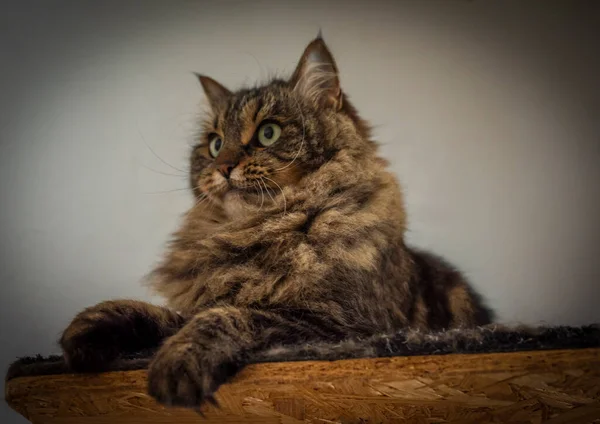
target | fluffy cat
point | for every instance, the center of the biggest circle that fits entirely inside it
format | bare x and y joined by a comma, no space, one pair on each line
297,236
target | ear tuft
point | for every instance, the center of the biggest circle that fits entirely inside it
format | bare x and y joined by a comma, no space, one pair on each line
215,92
316,76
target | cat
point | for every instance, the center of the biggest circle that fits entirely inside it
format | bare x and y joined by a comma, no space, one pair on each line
297,235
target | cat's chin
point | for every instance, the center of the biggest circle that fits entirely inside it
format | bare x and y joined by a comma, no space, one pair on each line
238,203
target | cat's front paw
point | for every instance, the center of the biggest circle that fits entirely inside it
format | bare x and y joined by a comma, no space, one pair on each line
185,374
92,340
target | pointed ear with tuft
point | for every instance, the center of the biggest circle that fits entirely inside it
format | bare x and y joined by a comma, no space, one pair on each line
316,75
215,92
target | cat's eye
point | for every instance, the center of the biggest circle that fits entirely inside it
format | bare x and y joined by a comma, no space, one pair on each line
215,145
268,134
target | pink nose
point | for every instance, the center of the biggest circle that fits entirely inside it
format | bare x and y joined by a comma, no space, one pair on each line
225,169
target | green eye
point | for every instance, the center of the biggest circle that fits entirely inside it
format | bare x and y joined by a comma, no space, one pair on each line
215,145
268,134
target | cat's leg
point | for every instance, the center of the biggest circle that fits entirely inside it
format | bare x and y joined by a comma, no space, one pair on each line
99,334
215,344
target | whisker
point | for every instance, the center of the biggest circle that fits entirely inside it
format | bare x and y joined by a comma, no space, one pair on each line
168,191
200,201
282,193
262,194
163,173
267,189
279,170
158,157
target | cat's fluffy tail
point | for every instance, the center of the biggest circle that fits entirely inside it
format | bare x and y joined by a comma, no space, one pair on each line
444,297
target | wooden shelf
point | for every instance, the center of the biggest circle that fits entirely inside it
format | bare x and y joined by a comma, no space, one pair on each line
557,386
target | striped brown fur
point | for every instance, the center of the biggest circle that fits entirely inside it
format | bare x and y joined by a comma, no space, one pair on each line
300,241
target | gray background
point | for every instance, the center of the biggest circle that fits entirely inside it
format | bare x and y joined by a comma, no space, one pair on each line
488,112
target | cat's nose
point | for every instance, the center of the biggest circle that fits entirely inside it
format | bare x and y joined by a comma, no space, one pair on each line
225,169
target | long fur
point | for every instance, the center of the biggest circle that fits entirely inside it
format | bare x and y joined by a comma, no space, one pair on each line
298,242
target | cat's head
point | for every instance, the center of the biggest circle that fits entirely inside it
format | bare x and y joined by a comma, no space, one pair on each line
257,141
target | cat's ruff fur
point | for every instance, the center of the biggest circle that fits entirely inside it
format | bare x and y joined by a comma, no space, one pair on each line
302,241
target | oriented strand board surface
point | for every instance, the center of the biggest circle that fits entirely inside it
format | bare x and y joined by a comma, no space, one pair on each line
526,387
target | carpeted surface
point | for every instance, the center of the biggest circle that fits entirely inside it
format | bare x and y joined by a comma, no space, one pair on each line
489,339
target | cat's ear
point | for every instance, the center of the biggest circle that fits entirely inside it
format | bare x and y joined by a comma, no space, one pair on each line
215,92
316,75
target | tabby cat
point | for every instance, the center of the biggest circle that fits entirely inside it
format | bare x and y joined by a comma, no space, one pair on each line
297,235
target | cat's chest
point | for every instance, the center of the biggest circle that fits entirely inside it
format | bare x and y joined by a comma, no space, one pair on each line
259,247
